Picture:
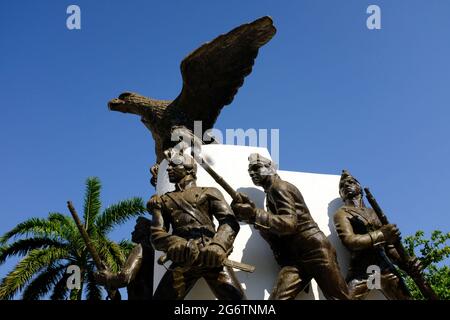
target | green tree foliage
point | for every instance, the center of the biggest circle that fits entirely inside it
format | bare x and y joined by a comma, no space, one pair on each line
48,246
433,254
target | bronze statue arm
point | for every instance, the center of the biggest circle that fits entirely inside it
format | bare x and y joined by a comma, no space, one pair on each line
161,239
129,270
354,241
285,221
228,225
121,279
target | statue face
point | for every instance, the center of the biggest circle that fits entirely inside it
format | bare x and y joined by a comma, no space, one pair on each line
259,173
176,171
350,189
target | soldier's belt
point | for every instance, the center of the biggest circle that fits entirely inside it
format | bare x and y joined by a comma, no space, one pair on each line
193,233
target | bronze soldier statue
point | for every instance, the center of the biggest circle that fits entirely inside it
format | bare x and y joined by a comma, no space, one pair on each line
137,273
195,247
370,243
299,246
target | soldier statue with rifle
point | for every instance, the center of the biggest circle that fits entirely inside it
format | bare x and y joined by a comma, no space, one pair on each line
137,272
372,241
299,246
196,247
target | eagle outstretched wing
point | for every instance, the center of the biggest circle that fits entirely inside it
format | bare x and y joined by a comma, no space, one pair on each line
213,73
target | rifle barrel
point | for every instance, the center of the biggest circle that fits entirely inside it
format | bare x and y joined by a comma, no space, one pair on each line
418,278
87,240
220,181
112,294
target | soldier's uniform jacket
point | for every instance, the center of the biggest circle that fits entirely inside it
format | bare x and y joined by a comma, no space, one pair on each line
287,225
358,229
189,210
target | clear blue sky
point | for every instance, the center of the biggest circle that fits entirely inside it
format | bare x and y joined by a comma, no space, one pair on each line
374,102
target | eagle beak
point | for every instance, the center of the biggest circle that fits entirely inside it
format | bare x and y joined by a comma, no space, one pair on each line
115,104
120,103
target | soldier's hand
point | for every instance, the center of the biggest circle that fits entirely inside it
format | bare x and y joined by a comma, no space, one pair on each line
212,256
177,252
245,200
245,210
192,252
413,266
154,171
391,233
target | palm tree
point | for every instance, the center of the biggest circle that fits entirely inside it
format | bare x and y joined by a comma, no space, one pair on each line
49,246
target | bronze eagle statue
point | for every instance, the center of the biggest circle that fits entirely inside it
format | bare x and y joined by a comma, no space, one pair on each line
212,75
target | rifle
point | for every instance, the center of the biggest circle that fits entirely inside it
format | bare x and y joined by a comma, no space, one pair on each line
418,278
190,140
112,294
228,263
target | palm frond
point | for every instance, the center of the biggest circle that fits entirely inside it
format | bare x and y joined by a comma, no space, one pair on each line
104,251
63,220
23,246
116,251
119,213
34,226
126,247
27,268
60,290
68,229
43,283
75,294
93,291
92,203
